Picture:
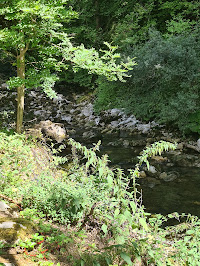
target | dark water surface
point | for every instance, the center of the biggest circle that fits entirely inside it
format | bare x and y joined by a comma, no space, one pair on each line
181,195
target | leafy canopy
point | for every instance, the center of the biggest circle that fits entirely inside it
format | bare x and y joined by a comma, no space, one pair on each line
39,27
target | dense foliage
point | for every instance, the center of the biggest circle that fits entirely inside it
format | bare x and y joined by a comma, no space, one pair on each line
47,40
88,194
162,35
34,32
164,38
164,85
128,22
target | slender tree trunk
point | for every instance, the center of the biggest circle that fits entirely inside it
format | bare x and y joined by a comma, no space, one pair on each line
20,89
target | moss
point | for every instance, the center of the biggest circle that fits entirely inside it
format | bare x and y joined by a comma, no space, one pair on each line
22,229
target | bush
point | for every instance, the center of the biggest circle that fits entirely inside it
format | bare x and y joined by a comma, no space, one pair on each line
17,169
90,188
87,187
164,85
88,191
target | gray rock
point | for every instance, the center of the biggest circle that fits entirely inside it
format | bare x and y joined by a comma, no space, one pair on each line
88,135
97,120
6,225
3,206
152,169
163,175
198,144
54,130
15,214
3,95
49,129
114,124
115,112
39,112
58,99
102,124
4,86
180,146
22,226
72,111
33,94
128,120
66,118
131,124
168,177
87,110
144,127
154,124
142,174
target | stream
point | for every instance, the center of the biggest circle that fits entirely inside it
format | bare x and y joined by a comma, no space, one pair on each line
180,195
172,183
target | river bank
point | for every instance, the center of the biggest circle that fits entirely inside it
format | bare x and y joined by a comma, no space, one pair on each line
172,182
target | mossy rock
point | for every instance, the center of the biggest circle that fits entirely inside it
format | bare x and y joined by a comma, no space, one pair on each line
12,229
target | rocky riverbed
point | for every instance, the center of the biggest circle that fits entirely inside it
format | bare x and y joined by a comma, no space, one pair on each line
172,181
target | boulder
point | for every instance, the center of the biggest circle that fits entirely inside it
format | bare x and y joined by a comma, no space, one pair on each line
152,169
144,128
159,158
87,110
142,174
167,177
116,112
3,206
13,229
55,131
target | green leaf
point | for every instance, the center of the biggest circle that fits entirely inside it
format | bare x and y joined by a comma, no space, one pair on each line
190,232
117,211
101,170
133,206
110,179
143,223
126,258
108,261
104,228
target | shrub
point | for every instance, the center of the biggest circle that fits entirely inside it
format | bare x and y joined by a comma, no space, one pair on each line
89,188
164,85
88,191
16,168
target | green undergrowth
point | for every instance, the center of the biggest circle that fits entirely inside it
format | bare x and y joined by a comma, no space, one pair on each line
88,213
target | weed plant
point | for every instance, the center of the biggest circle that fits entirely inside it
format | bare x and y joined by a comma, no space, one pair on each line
88,195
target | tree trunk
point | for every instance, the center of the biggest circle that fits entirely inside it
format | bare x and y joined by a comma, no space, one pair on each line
20,89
